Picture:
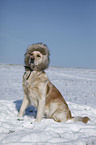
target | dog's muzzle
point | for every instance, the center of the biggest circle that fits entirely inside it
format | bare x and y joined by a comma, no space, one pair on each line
31,60
32,63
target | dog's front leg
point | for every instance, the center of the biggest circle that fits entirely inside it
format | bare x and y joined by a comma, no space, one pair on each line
40,111
24,105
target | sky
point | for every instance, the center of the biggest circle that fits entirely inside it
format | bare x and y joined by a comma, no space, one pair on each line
67,27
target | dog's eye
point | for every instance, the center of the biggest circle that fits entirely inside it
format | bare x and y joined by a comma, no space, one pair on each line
38,55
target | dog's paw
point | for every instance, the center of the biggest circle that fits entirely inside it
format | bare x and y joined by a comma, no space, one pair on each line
38,120
20,115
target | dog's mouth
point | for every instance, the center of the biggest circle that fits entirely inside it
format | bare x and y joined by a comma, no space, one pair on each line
31,62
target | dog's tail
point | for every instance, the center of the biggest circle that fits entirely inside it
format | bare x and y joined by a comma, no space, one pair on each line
82,119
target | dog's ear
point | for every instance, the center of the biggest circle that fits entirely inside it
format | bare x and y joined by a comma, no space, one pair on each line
26,60
42,48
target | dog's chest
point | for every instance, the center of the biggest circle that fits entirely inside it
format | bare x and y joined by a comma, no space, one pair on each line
33,86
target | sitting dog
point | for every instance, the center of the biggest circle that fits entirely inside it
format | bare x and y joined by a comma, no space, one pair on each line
39,91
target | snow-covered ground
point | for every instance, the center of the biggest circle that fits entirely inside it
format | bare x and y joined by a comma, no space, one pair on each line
78,86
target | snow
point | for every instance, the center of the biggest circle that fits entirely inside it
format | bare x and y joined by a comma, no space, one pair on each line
78,86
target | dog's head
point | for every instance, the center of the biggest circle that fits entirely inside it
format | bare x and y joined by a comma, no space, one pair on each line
37,57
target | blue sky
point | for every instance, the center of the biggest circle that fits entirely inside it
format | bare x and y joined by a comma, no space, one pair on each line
68,27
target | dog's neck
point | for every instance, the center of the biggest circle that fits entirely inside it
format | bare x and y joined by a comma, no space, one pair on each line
27,68
29,71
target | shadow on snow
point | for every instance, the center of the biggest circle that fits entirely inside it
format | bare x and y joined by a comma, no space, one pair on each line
30,110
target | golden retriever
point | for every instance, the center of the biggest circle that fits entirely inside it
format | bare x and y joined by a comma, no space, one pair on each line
39,91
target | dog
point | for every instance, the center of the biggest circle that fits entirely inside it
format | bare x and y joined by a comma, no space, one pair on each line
39,91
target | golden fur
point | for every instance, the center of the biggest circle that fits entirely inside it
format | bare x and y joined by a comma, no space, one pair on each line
39,91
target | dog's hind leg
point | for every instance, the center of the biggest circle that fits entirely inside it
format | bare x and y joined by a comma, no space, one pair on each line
59,111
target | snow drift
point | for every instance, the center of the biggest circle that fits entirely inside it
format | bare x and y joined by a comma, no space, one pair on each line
78,86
